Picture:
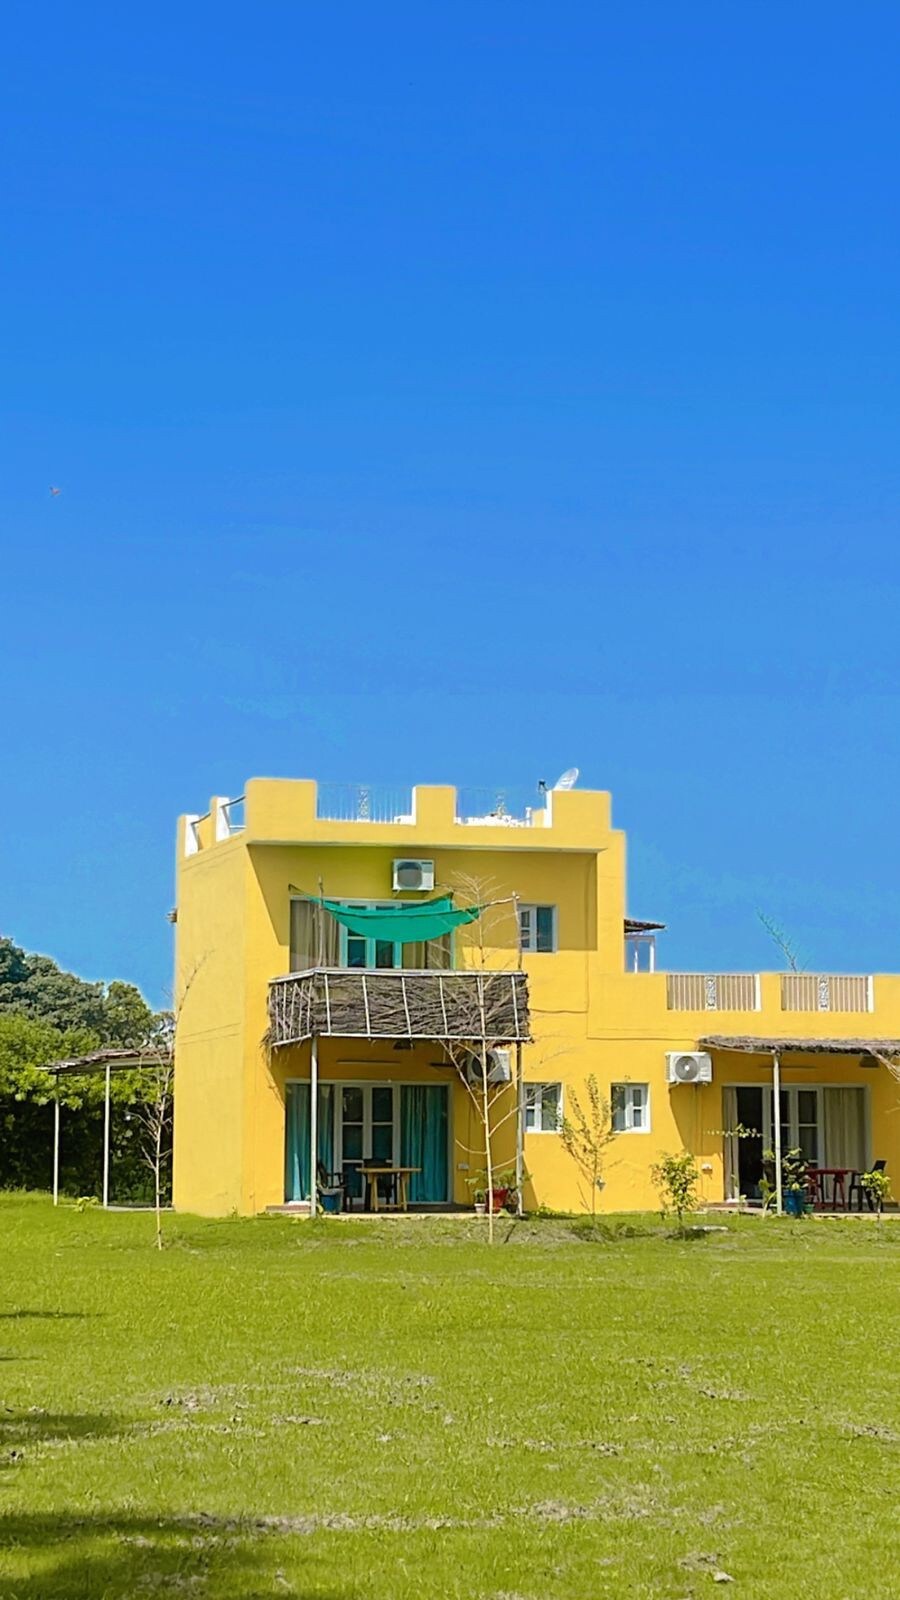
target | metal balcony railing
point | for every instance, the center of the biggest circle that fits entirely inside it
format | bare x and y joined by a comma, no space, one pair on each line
363,802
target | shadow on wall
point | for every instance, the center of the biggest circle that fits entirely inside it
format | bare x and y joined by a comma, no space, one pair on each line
67,1557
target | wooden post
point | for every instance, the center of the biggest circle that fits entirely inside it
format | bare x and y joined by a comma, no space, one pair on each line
106,1139
520,1131
313,1123
776,1115
56,1142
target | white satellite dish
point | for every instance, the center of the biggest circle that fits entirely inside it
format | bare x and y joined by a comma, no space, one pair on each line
568,779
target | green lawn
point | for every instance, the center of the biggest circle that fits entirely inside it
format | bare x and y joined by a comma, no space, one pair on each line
393,1409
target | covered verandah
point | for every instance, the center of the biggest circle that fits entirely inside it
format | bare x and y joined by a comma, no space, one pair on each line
825,1090
106,1062
374,1064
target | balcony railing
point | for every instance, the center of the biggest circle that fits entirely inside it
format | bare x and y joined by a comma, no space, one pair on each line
363,802
497,808
230,818
819,991
712,991
389,1003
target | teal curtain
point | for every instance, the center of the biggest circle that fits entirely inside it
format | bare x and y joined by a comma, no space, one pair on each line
407,922
296,1140
423,1140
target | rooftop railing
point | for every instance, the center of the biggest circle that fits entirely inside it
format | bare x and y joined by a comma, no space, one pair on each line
363,802
497,808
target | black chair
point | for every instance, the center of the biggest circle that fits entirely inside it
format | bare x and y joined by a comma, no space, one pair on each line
855,1186
331,1180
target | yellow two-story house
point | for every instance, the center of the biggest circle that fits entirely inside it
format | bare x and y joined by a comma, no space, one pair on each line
351,964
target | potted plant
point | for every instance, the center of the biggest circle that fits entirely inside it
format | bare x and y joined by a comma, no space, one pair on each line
794,1182
480,1202
876,1186
502,1192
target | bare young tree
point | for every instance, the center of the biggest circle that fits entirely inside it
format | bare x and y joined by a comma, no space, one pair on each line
494,1103
155,1117
155,1113
586,1136
783,942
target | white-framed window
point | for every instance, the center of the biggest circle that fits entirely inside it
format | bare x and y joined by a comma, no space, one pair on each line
543,1107
537,929
630,1103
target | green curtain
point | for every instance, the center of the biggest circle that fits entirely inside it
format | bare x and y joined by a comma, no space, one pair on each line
403,923
423,1140
296,1141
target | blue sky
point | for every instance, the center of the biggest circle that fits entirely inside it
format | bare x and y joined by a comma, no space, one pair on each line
455,394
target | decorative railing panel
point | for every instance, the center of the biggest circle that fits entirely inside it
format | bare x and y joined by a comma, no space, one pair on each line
822,991
712,991
357,1003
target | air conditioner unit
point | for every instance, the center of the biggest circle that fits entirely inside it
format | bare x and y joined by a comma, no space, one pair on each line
499,1069
688,1066
413,874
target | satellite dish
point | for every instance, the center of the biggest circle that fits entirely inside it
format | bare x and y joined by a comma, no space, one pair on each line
568,779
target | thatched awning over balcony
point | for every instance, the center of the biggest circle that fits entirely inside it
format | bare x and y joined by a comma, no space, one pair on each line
390,1003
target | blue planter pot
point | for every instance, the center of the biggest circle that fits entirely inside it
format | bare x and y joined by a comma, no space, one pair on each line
795,1202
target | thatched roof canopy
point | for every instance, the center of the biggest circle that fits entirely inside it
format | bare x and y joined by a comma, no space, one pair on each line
750,1045
116,1060
636,925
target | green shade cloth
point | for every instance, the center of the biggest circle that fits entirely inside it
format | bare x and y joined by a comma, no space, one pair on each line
402,923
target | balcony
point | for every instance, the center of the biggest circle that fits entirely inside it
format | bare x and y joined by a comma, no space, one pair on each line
390,1003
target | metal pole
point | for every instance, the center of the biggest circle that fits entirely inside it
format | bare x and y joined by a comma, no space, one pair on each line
520,1131
56,1143
313,1123
776,1114
106,1138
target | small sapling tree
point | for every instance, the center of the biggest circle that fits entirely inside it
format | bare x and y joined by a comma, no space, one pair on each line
586,1134
676,1177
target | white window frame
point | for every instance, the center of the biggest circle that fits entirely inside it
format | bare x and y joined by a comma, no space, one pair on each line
534,1101
528,945
628,1089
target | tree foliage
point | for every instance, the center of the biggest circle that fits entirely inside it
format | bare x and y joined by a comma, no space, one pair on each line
35,986
46,1014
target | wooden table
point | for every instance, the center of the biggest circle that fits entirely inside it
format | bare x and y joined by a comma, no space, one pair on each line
372,1171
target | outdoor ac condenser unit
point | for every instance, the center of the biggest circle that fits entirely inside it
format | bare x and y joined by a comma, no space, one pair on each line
413,874
688,1066
499,1069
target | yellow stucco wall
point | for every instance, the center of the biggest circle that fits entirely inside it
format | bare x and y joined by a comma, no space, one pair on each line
589,1016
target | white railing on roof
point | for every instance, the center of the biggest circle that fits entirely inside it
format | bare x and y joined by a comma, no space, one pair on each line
712,991
363,802
496,808
825,991
231,817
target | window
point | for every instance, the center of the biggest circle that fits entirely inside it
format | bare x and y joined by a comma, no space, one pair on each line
543,1107
537,928
630,1107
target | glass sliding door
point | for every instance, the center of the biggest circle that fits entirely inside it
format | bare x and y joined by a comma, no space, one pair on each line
367,1131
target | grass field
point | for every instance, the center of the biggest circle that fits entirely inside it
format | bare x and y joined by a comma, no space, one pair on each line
392,1409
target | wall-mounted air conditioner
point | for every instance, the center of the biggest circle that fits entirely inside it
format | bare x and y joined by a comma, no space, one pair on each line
413,874
499,1069
688,1066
